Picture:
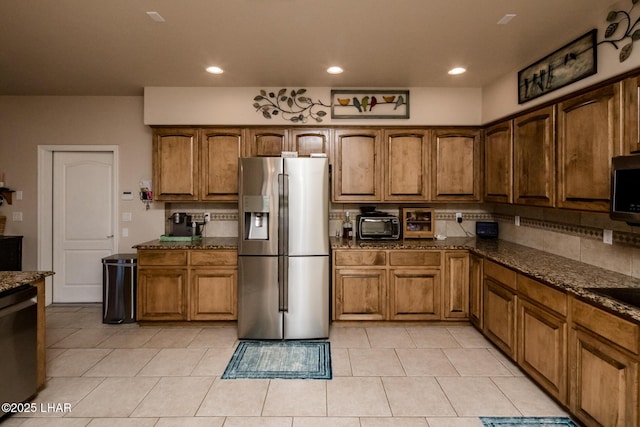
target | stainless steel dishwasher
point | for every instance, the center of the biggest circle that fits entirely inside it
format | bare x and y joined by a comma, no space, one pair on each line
18,340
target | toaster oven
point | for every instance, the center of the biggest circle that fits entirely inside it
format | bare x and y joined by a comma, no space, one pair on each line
378,226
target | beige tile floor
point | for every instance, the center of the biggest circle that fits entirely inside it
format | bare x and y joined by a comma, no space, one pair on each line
399,376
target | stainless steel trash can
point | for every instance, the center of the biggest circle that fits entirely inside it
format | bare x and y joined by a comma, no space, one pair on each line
119,283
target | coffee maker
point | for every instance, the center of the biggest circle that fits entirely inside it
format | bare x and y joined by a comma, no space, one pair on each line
183,224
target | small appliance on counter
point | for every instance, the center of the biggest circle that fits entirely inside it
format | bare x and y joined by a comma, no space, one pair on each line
375,225
487,229
183,224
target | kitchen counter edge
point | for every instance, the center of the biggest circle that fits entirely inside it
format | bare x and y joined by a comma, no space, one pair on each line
13,279
209,243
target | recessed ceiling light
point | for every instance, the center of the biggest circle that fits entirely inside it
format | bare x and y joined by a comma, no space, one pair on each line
334,70
506,19
215,70
155,16
457,70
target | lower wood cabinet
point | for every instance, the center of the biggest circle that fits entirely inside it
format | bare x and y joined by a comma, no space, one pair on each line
475,290
187,285
604,356
499,306
400,285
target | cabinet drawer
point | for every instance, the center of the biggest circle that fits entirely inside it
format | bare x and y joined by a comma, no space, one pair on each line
213,257
501,274
548,297
620,331
162,258
418,258
360,258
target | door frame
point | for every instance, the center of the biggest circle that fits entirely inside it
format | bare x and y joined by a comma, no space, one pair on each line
45,204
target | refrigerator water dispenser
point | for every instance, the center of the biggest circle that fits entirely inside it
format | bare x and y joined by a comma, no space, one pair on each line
256,217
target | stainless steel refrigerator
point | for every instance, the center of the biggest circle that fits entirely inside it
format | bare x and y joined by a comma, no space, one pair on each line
283,248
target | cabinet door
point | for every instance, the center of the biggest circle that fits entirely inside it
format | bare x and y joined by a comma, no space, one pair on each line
499,316
308,141
219,153
162,294
268,142
542,347
357,164
588,136
455,298
414,294
455,165
175,164
475,290
604,382
498,159
631,112
407,165
360,294
534,158
213,294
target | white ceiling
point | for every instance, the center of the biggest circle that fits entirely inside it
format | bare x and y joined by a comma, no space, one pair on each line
111,47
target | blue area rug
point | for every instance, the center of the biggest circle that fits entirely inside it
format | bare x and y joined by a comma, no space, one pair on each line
527,422
280,359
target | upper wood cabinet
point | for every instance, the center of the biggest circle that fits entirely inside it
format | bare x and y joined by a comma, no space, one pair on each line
219,153
534,158
192,164
357,165
267,142
308,141
175,164
498,160
631,114
271,142
407,165
455,165
588,136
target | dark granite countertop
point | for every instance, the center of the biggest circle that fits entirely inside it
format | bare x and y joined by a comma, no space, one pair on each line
14,279
211,243
563,273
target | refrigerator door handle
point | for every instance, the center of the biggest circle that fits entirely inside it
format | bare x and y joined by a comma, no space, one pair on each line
285,284
281,284
283,241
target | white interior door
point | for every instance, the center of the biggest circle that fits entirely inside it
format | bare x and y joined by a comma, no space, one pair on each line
83,223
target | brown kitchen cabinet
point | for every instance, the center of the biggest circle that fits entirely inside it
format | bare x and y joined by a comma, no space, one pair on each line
534,158
407,165
631,114
357,165
542,335
359,285
498,163
176,169
475,290
400,285
219,153
271,142
213,293
588,136
499,307
604,356
455,295
196,164
187,285
456,165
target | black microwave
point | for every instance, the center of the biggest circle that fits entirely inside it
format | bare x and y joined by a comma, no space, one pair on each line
378,227
625,189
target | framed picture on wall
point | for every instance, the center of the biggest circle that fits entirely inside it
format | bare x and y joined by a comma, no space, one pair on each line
570,63
369,104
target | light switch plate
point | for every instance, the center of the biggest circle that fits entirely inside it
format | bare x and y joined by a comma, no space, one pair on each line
607,237
17,216
517,220
126,216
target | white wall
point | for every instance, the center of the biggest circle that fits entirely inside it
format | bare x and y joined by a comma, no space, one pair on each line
500,98
29,121
234,106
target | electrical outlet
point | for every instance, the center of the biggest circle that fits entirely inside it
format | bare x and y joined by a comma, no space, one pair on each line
459,217
607,237
517,221
16,216
207,216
